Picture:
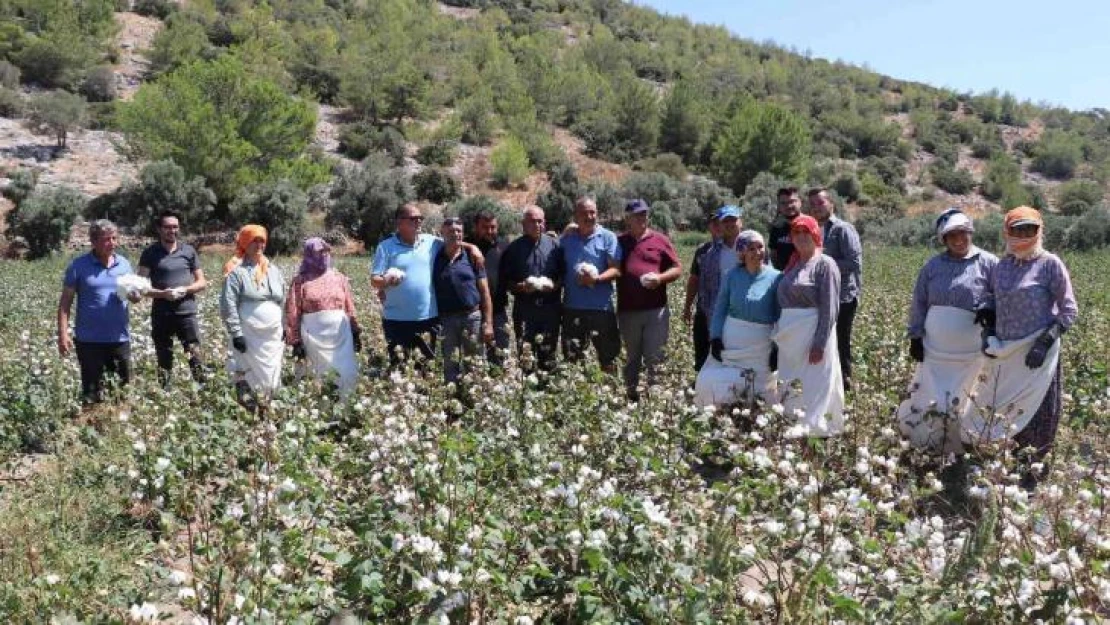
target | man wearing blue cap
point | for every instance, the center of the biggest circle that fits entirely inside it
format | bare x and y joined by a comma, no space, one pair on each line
718,260
649,263
591,260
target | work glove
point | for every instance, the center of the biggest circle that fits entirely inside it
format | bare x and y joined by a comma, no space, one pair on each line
356,337
985,317
1037,353
917,350
984,343
240,344
715,348
773,360
298,351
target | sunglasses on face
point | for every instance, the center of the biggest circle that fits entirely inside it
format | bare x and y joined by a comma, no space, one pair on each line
415,218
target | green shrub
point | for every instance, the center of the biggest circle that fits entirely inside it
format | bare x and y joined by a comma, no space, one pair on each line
761,137
182,41
9,75
440,152
365,198
44,219
848,187
53,62
160,9
1057,155
669,164
21,183
1076,197
435,185
11,103
558,201
467,209
281,207
162,186
359,139
952,179
509,163
99,84
476,114
58,112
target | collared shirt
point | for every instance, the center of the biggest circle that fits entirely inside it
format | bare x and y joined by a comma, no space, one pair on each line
842,244
946,281
456,282
412,299
719,259
525,258
493,253
1031,295
748,297
695,269
600,249
170,270
652,253
778,239
813,284
101,314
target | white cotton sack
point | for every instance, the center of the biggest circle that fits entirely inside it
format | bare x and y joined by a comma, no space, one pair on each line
131,284
585,269
394,272
649,278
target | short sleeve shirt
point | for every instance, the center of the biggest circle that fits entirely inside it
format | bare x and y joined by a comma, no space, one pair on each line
101,314
781,243
412,299
456,283
599,249
170,270
653,253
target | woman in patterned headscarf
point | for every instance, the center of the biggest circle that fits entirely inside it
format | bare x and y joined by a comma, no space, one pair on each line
949,304
740,329
250,305
1034,303
320,317
809,295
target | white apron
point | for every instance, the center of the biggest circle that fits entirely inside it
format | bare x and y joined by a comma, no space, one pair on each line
327,340
747,347
821,398
940,402
261,364
1015,392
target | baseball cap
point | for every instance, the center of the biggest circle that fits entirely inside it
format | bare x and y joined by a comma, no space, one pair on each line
729,210
636,206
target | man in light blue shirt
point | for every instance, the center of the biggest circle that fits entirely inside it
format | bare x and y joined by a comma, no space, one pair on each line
591,262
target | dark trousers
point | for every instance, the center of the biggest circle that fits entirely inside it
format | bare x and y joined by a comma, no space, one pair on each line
163,330
98,359
701,339
409,339
540,330
597,327
844,323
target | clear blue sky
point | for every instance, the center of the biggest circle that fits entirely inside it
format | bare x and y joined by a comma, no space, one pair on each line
1056,52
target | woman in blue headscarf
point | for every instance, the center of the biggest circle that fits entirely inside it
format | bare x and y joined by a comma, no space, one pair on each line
320,321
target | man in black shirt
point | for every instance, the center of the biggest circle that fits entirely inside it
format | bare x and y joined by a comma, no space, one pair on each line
175,277
484,235
536,303
779,246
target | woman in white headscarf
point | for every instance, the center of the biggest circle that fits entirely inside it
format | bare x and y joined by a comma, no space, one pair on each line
740,330
950,303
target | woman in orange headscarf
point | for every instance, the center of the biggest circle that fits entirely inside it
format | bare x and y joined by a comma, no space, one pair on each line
1031,293
809,295
251,308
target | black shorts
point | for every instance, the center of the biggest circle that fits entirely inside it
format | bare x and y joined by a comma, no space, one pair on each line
165,328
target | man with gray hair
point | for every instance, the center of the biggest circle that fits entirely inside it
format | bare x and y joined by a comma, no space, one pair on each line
530,270
102,331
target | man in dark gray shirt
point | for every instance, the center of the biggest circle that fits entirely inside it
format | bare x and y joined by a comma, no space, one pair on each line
485,235
842,243
175,277
536,303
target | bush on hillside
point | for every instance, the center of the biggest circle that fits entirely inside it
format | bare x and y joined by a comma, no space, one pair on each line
58,113
1076,197
952,179
467,209
668,163
509,163
9,75
162,186
436,185
11,103
21,183
1057,155
281,207
761,137
558,201
44,219
99,84
440,152
364,199
160,9
359,139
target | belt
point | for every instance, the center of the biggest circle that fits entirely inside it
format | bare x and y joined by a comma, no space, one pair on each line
458,313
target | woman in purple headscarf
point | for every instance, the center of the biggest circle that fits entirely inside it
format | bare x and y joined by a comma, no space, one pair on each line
320,321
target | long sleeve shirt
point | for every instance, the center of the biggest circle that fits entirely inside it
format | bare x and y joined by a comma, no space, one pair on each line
946,281
1031,295
842,244
718,260
813,284
330,291
747,297
240,287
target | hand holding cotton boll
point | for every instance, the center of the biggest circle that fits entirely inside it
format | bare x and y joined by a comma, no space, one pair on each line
393,276
587,274
177,293
538,283
650,280
132,287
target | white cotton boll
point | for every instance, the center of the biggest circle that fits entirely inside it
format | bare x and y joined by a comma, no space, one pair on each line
131,284
394,273
586,269
649,278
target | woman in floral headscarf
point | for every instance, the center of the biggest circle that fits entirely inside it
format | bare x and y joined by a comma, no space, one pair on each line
949,304
320,319
1034,304
740,329
250,305
809,295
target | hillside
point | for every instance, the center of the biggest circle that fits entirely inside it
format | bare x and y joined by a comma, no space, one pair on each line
493,98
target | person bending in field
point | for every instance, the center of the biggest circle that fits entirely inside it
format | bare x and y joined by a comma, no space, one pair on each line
591,260
176,276
531,270
694,313
102,327
649,263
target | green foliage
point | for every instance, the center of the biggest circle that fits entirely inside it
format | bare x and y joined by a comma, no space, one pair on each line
161,9
760,200
359,139
11,103
476,114
628,127
162,186
467,209
182,41
281,207
440,152
58,112
558,201
952,179
669,164
1076,197
365,198
217,120
761,138
1091,230
848,187
509,162
436,185
21,183
52,62
44,219
686,122
99,84
9,75
1002,182
1057,155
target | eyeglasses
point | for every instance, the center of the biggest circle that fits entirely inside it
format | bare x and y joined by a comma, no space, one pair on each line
416,218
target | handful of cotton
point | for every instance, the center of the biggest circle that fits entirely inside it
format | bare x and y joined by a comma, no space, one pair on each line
586,269
539,283
649,279
131,285
394,275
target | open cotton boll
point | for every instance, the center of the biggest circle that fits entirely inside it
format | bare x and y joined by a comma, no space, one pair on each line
584,268
131,283
649,278
540,282
394,272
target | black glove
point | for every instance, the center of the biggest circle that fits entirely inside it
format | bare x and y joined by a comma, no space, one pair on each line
773,360
298,351
356,337
240,344
917,350
985,317
715,347
984,335
1037,353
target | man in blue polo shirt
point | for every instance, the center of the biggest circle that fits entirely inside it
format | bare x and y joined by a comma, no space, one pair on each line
103,338
591,262
463,298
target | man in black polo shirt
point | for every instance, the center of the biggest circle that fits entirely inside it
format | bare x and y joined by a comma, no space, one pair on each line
536,302
779,246
484,235
175,277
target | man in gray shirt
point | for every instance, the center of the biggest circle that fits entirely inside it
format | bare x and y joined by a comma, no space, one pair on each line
842,243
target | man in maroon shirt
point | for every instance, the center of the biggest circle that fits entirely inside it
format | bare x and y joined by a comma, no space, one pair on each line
648,264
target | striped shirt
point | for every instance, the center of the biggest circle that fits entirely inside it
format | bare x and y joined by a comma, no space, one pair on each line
946,281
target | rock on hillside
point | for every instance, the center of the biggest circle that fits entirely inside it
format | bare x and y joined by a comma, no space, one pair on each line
90,163
136,34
